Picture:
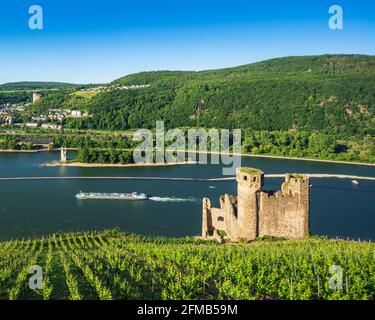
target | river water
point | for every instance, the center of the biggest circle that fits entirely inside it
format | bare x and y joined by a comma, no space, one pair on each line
34,208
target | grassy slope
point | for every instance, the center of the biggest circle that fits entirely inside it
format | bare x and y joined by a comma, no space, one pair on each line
85,94
121,266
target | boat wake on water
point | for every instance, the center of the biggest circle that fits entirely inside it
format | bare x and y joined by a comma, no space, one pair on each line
172,199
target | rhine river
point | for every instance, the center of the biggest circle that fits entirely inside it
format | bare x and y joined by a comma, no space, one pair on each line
33,208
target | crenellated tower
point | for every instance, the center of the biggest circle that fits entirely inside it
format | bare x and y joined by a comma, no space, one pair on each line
249,184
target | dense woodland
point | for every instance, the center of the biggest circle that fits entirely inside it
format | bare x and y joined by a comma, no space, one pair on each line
325,93
90,155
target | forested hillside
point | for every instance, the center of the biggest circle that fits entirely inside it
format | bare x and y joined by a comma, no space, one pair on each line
318,65
327,93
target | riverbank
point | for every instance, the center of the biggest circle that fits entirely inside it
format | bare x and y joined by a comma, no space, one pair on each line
25,151
112,165
36,150
306,159
249,155
78,164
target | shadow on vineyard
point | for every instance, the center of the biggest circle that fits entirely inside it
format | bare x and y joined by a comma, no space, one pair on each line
114,265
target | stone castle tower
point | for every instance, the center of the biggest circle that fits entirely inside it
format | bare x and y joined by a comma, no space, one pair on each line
36,96
258,213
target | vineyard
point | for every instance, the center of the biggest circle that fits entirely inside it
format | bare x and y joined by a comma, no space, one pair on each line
113,265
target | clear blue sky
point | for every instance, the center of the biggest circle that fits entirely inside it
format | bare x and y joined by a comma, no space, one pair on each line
98,41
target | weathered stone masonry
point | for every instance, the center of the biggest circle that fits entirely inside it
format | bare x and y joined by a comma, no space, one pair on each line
258,213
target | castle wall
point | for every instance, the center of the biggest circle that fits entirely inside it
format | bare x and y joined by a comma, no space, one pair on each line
217,218
282,215
223,218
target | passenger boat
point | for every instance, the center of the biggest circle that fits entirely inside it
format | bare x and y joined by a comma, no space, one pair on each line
111,196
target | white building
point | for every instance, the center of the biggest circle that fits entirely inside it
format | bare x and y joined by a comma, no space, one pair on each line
40,117
9,120
52,126
76,113
31,124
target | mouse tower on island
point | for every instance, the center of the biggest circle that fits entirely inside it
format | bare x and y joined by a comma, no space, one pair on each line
63,154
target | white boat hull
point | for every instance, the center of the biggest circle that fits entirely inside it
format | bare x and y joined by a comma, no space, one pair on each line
111,196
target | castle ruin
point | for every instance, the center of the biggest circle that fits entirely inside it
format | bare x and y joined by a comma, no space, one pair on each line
258,213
